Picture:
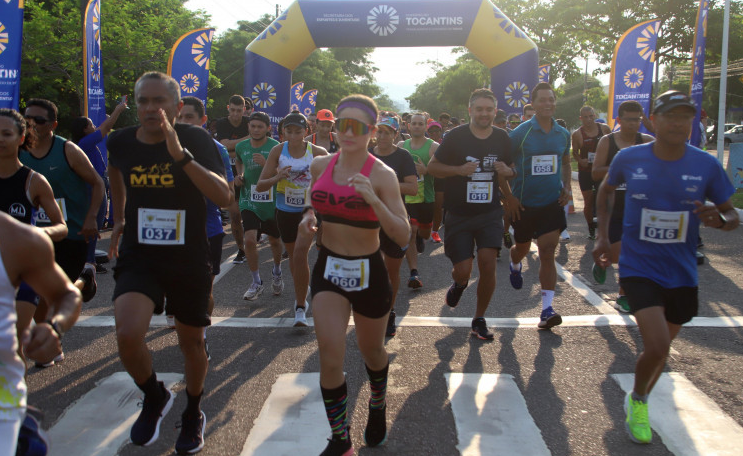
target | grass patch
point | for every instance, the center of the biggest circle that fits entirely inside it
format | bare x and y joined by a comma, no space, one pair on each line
737,198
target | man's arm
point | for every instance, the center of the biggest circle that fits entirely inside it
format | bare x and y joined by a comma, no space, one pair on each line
438,169
600,165
118,203
230,144
81,165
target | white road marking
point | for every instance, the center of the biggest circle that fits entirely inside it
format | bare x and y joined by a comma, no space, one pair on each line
292,419
225,267
490,415
686,419
99,423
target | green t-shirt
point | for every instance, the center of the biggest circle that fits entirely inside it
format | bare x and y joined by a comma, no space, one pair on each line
261,204
426,192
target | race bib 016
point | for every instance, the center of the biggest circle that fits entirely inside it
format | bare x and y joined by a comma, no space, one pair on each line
543,165
479,192
663,227
348,275
261,197
161,226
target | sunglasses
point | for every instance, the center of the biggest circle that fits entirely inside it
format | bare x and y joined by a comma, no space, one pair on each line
357,127
38,120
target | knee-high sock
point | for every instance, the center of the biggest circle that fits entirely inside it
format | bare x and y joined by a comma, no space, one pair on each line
335,408
378,386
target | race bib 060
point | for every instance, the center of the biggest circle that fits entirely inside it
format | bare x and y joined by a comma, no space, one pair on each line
663,227
543,165
348,275
161,226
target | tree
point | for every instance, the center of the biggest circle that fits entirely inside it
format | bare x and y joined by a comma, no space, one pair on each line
571,97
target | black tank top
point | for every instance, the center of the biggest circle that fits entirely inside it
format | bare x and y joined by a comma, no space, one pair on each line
333,146
620,193
14,197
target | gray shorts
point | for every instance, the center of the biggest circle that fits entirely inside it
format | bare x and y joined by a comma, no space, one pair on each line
463,233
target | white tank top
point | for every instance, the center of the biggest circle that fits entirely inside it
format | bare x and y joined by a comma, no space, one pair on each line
12,386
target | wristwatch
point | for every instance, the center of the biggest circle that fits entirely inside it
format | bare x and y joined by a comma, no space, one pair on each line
187,158
56,328
722,219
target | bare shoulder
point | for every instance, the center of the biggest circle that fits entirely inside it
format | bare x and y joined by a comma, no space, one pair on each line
318,150
605,129
382,173
319,163
30,247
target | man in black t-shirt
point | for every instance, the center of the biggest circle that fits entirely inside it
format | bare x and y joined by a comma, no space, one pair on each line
231,131
160,174
475,159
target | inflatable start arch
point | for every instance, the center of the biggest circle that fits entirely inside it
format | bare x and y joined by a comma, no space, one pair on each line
308,24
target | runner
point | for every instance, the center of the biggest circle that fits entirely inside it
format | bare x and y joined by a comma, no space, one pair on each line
434,132
527,112
584,141
474,158
231,131
501,120
27,256
355,194
312,123
288,168
629,120
192,113
160,173
68,171
541,153
514,120
325,136
403,165
420,206
657,264
258,209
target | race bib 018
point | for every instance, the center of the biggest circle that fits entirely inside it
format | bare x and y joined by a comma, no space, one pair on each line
348,275
161,226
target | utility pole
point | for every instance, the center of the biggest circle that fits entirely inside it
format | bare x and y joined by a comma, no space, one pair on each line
277,10
723,84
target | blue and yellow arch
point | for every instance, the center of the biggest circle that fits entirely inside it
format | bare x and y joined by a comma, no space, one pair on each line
308,24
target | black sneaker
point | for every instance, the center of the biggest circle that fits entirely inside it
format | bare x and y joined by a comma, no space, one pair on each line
376,428
420,244
206,349
391,327
338,447
147,427
454,294
591,232
507,241
480,329
89,286
415,282
191,438
239,258
100,269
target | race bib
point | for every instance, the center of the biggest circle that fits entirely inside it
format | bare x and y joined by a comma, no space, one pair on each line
295,197
591,157
663,227
543,165
479,192
233,160
161,226
261,197
348,275
43,218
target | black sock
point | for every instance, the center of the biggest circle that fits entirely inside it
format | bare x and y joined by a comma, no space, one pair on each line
413,272
152,388
193,405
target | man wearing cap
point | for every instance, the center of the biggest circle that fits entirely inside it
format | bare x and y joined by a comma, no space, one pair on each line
514,120
324,136
500,120
420,206
657,263
312,123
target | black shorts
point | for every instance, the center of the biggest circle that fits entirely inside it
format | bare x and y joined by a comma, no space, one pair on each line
374,301
27,294
252,222
536,221
421,214
70,255
586,182
288,223
390,247
462,233
439,184
681,304
187,287
215,253
615,230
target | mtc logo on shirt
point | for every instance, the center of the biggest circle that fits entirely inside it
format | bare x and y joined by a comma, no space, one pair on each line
156,176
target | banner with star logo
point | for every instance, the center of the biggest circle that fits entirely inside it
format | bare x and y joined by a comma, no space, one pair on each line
697,72
189,62
94,101
11,42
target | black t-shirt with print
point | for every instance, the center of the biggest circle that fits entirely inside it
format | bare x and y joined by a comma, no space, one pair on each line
225,130
400,161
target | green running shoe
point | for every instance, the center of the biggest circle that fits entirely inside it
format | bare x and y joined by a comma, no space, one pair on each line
622,304
637,423
599,274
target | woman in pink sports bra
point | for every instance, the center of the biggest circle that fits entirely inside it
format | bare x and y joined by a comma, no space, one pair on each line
355,195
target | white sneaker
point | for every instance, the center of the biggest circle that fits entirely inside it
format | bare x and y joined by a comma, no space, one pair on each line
253,292
170,321
300,315
565,235
277,284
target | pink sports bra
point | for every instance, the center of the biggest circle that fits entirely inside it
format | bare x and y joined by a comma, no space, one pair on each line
340,203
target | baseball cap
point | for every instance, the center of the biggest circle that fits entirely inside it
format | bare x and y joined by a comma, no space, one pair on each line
295,118
433,124
501,116
672,99
389,121
325,114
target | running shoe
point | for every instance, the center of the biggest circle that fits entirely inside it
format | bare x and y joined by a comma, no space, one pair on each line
420,244
206,349
253,292
517,281
240,257
170,321
100,269
622,304
391,327
191,438
32,440
637,423
147,427
549,318
507,241
300,315
338,447
565,236
454,294
414,282
591,232
89,284
376,428
480,329
277,284
435,237
599,273
57,359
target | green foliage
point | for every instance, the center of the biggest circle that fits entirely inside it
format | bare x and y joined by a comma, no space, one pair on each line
570,98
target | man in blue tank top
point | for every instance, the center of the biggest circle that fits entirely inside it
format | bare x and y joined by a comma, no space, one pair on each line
657,262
